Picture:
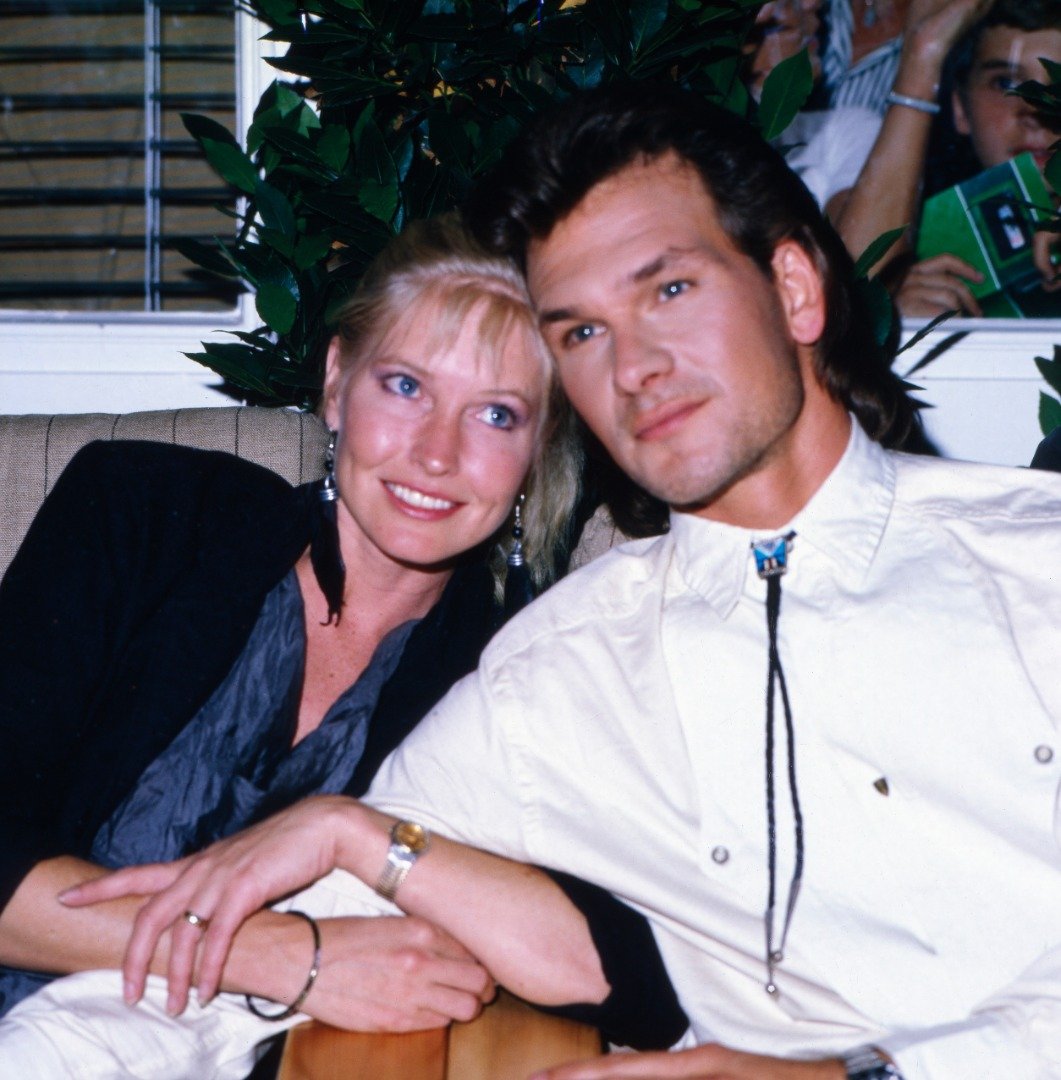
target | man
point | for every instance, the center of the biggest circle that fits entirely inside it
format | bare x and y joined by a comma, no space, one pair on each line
859,875
900,835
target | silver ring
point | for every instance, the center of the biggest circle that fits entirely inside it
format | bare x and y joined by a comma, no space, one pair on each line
196,920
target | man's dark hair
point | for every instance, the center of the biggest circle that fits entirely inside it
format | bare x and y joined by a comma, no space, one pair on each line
1024,15
759,200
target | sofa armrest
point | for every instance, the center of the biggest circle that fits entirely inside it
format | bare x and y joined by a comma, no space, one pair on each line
508,1041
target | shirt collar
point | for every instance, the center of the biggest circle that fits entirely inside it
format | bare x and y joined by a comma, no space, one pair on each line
844,521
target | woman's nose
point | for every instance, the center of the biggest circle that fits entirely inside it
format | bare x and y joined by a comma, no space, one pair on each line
437,446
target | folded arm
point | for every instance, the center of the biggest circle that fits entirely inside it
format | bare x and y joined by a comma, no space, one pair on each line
514,918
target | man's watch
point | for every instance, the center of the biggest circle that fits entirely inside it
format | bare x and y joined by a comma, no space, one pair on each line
868,1063
408,842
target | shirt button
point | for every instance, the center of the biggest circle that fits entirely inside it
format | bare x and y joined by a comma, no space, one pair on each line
1044,754
720,854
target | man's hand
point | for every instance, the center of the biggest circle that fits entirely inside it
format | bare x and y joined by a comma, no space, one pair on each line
393,974
708,1062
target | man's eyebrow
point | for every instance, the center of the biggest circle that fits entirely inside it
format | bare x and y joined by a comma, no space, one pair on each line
642,273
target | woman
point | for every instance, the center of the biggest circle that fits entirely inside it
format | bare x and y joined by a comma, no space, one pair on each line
187,643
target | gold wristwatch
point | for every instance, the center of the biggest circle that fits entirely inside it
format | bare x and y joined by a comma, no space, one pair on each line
408,842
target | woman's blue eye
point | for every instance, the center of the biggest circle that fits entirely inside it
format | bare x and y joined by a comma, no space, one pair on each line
499,416
1005,83
402,385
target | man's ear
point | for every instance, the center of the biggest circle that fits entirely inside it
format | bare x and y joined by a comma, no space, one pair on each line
800,290
333,380
961,117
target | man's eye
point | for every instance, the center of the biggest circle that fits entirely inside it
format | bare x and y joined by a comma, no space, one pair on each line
674,288
499,416
577,334
402,385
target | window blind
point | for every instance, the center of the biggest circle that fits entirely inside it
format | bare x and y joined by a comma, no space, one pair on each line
99,182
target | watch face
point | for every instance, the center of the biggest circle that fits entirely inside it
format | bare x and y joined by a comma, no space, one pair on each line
410,835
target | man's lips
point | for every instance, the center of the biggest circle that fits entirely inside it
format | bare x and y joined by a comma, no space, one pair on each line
662,420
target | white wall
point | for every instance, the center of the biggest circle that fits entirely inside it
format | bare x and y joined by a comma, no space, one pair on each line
985,388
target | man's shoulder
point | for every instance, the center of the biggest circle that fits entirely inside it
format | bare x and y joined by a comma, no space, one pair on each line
973,492
607,590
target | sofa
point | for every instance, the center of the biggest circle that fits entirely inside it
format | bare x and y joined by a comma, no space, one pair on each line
34,450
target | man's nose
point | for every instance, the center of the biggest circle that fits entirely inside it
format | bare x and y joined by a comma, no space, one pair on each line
638,359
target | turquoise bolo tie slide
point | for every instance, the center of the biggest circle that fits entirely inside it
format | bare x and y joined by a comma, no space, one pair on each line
771,556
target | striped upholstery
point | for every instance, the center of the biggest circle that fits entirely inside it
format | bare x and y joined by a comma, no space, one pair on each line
34,450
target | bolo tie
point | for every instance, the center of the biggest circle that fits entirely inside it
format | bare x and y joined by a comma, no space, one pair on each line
771,563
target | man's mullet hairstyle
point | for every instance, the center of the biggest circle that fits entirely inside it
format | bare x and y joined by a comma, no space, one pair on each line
760,201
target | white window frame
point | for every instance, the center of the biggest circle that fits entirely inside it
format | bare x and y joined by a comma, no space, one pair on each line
78,361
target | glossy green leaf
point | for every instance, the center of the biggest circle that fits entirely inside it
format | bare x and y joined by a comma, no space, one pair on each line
877,250
333,146
1053,171
311,249
276,305
1049,413
1051,369
279,12
273,208
202,127
785,91
232,164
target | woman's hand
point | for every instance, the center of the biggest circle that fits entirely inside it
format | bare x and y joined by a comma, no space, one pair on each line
708,1062
223,886
393,974
934,286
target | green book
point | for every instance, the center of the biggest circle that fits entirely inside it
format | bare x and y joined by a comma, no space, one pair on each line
988,220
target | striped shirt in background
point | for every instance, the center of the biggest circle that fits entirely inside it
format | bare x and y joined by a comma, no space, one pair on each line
870,81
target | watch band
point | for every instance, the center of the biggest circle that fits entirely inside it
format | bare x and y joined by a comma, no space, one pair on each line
868,1063
409,841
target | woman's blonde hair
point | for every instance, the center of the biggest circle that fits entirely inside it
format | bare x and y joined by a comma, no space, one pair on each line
438,258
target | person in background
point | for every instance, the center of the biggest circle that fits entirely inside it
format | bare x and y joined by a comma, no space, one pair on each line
985,124
864,39
825,147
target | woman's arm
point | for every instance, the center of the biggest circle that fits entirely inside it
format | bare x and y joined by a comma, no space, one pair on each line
517,921
379,974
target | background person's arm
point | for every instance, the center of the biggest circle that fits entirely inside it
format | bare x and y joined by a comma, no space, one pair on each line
887,193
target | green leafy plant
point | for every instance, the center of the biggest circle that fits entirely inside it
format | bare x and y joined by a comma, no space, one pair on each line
1050,407
393,110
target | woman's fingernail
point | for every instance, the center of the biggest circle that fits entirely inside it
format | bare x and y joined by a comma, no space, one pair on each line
66,894
129,993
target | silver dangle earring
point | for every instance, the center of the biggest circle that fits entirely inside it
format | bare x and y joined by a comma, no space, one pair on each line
515,556
328,491
518,588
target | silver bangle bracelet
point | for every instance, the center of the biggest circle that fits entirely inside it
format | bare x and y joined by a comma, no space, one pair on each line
913,103
311,978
